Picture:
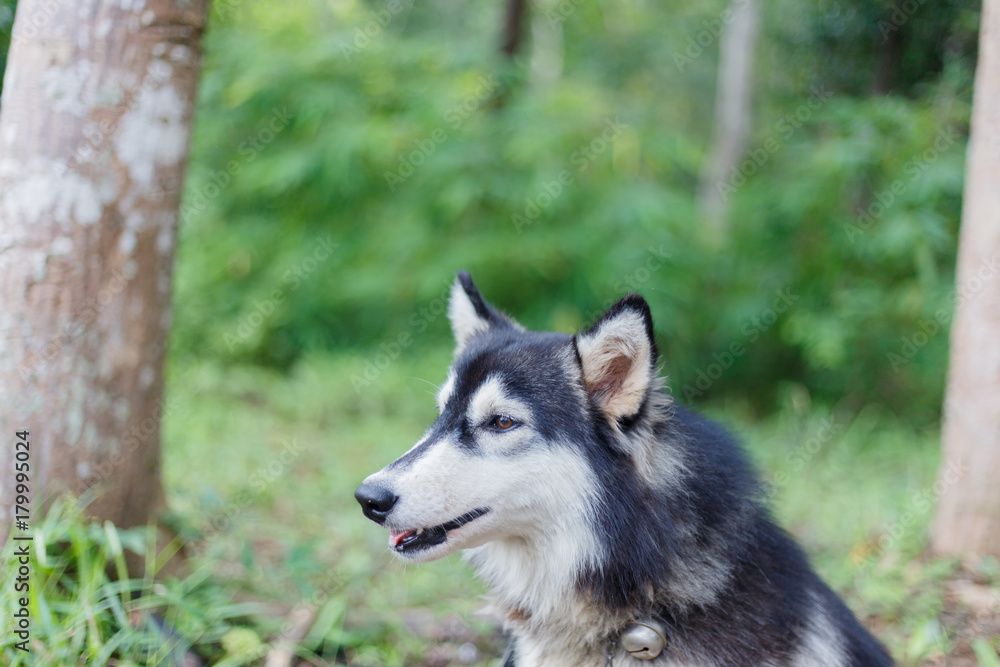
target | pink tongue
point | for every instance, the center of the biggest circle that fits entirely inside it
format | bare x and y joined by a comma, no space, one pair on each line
397,536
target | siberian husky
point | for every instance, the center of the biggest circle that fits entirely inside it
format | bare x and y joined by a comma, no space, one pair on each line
599,512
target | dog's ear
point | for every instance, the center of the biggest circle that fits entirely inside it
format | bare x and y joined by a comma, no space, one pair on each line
469,313
618,357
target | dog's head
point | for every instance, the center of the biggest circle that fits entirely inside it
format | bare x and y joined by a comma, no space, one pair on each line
520,414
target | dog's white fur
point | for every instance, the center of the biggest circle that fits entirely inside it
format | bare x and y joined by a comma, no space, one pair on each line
465,321
822,645
445,392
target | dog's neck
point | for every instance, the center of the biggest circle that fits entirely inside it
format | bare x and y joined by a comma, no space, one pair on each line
533,581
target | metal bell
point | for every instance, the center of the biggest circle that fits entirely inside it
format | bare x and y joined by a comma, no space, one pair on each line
644,639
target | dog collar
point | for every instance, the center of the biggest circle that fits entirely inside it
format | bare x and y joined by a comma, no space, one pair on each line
643,640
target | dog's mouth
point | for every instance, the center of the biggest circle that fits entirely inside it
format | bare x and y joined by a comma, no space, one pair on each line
408,541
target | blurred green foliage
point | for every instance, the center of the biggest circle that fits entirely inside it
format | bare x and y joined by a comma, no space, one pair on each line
414,149
350,156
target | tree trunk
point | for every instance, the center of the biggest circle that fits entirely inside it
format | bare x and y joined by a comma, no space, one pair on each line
968,517
515,18
94,127
887,67
733,111
546,45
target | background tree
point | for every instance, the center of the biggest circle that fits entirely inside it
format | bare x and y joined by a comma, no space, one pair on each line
94,125
968,518
733,105
516,16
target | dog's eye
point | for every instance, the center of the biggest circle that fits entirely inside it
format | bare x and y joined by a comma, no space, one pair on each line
503,423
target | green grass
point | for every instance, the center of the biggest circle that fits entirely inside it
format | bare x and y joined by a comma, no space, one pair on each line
260,470
85,609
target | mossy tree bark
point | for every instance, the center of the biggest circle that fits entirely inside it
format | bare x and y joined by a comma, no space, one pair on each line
94,126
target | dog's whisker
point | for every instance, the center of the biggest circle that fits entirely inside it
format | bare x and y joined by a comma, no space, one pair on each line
436,387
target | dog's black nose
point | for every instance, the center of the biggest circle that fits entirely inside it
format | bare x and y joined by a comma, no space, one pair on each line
376,501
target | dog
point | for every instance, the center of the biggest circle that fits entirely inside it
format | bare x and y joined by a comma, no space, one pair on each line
613,526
